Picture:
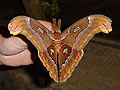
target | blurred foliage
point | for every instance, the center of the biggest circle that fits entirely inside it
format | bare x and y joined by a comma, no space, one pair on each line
51,8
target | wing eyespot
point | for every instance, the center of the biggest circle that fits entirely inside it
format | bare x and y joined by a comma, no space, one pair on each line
40,30
65,51
77,29
51,51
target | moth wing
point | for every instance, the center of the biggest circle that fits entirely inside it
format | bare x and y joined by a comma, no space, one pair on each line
68,60
32,29
49,59
76,37
40,37
71,33
83,30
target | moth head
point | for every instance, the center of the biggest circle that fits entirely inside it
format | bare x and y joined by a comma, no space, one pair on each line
56,26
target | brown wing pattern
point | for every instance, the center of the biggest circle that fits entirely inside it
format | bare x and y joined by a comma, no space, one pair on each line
32,29
68,60
75,39
97,24
71,33
40,37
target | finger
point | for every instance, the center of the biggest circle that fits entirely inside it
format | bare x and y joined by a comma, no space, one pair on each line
46,24
12,45
23,58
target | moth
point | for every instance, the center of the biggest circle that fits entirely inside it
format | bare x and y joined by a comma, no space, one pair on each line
60,52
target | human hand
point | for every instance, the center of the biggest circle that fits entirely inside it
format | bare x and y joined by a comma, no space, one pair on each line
14,50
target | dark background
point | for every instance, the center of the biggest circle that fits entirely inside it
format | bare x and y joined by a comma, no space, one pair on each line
70,11
102,74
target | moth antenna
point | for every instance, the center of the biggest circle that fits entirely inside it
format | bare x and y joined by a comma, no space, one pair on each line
59,23
56,26
54,21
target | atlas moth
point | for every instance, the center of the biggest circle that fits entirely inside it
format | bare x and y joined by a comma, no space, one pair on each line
60,52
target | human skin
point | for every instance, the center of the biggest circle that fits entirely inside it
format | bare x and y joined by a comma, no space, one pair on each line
14,50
